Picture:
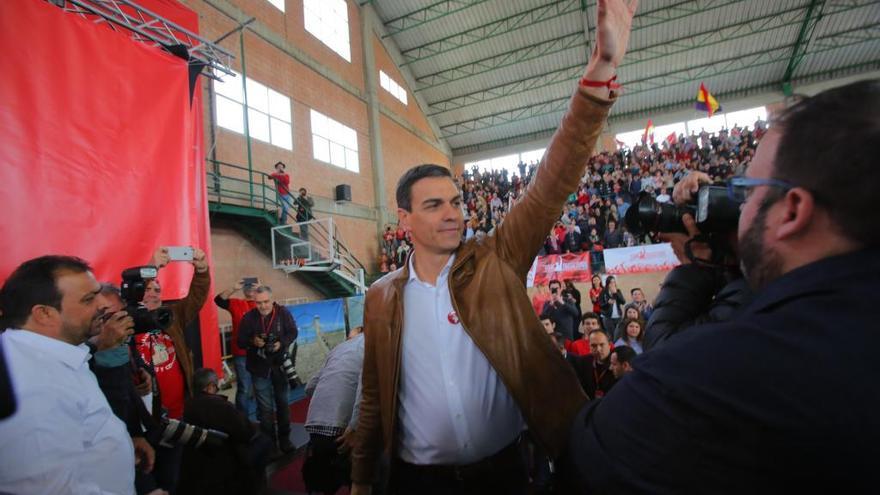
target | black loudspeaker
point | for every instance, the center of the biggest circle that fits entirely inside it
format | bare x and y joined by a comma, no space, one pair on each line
343,193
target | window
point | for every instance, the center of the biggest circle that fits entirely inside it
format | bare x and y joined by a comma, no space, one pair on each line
632,138
392,87
334,143
327,20
268,111
279,4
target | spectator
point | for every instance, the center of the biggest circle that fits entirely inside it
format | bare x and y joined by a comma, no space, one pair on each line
575,294
621,361
639,301
282,185
630,311
611,301
331,418
235,468
599,380
596,290
63,436
634,331
613,237
562,310
304,206
244,385
589,322
267,331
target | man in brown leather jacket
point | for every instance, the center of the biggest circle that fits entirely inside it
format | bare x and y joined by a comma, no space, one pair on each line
456,363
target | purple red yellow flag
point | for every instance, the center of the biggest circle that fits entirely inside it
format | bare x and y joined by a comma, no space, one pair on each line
706,102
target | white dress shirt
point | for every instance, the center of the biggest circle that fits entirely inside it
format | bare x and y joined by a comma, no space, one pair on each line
63,437
454,409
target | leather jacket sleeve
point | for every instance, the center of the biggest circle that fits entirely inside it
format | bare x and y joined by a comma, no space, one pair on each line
523,231
368,436
692,295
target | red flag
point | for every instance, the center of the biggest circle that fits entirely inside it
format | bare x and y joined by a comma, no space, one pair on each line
671,139
649,133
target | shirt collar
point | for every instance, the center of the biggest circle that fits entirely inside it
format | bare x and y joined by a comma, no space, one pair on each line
441,278
74,356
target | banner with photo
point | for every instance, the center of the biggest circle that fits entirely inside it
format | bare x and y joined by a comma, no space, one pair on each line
640,259
570,266
322,317
355,307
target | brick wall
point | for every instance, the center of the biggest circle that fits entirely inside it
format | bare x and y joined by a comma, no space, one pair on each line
282,55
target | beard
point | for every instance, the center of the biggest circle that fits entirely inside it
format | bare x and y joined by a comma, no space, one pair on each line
760,265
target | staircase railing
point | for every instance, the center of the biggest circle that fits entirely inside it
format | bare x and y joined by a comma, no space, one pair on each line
238,186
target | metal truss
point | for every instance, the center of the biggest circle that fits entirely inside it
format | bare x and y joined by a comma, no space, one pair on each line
546,133
148,27
706,38
428,14
811,20
737,63
641,21
492,29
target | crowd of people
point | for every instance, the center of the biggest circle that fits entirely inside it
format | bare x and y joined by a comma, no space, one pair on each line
593,218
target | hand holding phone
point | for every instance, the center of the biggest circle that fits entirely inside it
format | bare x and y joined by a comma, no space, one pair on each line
180,253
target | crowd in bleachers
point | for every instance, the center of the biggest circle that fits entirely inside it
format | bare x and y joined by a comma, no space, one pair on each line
592,219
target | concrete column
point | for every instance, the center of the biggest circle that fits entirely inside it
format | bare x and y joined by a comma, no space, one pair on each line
371,83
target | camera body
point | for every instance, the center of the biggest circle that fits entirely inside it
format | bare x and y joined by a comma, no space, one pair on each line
281,358
714,213
134,285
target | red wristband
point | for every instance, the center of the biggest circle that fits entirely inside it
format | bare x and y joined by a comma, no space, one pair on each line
610,84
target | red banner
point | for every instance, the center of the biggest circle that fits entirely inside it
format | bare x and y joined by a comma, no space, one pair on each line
100,148
571,266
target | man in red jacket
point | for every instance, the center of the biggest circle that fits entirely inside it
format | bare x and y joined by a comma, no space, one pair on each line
244,391
282,183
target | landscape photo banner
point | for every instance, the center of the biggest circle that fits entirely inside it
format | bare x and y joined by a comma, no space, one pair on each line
570,266
318,317
640,259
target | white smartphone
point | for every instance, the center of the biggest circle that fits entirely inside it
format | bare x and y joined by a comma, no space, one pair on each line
180,253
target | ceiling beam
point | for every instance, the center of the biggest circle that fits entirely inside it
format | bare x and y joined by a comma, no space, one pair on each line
811,20
733,64
431,13
706,38
499,27
643,20
683,104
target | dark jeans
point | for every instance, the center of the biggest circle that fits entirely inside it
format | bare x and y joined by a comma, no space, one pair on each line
507,476
272,395
325,469
244,388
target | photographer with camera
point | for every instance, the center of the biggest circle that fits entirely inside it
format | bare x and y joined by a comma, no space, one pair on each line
782,398
267,333
166,352
699,290
561,307
238,465
64,437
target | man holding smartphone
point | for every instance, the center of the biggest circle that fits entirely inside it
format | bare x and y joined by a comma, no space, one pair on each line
244,391
562,310
170,357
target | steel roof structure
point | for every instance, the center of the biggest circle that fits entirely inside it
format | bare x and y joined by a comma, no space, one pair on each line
498,72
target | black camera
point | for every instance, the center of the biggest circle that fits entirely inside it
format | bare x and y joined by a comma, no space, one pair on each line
281,358
173,432
134,285
714,212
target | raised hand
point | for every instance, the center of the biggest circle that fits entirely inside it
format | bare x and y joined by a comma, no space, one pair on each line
612,37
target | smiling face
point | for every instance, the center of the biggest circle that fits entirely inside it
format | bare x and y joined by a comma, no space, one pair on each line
436,220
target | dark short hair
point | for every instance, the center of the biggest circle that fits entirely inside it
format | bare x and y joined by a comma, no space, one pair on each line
33,283
554,281
109,289
203,377
625,354
633,291
829,147
588,315
282,165
599,331
559,339
546,316
413,175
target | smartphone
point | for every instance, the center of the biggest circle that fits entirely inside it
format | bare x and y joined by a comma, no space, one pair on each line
249,281
180,253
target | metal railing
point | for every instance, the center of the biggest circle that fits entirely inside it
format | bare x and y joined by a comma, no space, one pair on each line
316,241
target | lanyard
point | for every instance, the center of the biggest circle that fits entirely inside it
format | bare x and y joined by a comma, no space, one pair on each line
598,377
269,326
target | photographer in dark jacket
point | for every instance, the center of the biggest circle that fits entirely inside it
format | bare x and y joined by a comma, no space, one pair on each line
694,293
782,398
267,332
235,468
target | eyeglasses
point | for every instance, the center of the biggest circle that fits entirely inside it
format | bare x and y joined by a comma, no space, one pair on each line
738,187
